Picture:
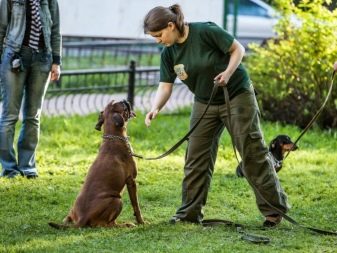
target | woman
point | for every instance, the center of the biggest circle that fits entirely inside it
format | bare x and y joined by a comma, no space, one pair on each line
200,54
30,43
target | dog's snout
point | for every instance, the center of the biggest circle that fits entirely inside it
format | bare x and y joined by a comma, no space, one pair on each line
289,147
294,147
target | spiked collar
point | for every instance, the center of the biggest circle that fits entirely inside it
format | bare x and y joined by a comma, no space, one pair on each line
120,138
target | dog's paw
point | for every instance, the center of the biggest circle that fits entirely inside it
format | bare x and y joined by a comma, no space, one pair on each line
128,225
144,223
139,218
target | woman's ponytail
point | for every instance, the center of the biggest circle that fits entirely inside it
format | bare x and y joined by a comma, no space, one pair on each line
159,17
179,20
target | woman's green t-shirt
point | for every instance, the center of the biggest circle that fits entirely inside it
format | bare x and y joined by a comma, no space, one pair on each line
199,59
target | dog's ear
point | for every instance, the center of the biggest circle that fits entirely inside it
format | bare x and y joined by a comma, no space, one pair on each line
128,105
272,144
100,122
132,114
118,120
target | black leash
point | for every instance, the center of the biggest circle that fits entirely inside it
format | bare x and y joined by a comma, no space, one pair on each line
239,228
285,216
175,146
317,113
258,239
211,222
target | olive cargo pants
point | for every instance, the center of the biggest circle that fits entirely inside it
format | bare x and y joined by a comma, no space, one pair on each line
202,150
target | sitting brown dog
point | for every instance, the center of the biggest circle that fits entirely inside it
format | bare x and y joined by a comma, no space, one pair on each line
99,202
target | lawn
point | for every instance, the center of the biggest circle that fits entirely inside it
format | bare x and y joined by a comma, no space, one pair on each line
69,145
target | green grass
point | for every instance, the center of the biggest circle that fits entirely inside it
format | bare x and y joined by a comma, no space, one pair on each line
69,145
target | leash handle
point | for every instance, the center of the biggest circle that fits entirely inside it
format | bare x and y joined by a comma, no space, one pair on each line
175,146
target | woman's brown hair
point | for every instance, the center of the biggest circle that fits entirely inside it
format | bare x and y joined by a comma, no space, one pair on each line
159,17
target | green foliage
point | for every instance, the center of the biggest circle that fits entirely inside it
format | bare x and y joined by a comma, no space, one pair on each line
69,145
292,72
330,4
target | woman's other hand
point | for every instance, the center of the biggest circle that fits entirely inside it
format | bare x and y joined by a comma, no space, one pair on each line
55,72
222,78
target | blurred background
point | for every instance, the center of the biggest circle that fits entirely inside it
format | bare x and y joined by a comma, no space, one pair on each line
122,19
290,50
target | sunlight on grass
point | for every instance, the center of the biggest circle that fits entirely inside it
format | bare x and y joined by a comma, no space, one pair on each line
68,146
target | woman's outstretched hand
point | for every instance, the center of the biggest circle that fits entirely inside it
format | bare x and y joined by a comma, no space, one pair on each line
150,116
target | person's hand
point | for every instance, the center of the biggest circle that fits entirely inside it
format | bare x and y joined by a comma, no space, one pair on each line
335,66
222,78
150,116
55,72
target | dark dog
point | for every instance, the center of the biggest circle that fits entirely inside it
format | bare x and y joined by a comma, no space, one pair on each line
277,147
99,202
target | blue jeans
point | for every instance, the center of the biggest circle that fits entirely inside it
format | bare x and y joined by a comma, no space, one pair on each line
26,88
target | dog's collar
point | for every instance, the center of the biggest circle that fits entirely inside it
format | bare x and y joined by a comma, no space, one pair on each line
121,138
112,137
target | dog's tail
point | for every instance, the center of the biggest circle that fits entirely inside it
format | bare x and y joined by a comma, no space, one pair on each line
59,226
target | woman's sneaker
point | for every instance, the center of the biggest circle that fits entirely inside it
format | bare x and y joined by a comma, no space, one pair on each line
272,220
175,220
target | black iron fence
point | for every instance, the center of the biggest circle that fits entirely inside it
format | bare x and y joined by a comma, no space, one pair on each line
95,72
86,91
108,53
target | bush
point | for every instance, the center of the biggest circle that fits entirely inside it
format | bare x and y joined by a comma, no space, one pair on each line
292,73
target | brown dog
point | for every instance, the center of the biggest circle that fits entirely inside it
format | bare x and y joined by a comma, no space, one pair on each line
99,202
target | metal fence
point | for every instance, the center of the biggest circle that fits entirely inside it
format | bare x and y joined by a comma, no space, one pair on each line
109,53
87,91
95,72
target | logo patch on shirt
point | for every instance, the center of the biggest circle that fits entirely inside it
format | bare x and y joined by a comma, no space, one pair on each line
180,71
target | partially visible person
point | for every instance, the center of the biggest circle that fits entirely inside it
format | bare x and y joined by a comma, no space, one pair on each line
200,53
335,66
30,53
